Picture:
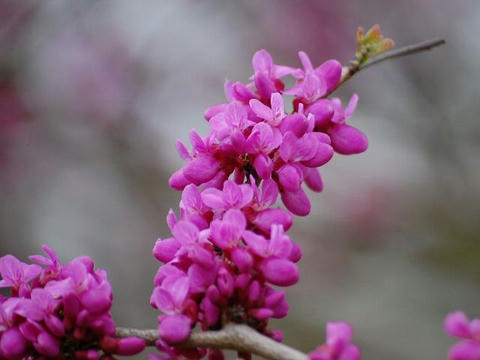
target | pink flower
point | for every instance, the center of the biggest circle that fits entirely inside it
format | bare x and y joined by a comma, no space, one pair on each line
338,346
315,83
345,138
458,326
17,275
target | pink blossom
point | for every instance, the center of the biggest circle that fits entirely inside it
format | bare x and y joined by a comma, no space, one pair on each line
458,326
338,345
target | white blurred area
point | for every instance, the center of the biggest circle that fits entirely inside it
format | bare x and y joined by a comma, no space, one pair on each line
102,89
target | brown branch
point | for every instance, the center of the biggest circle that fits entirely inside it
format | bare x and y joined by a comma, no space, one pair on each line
241,338
353,68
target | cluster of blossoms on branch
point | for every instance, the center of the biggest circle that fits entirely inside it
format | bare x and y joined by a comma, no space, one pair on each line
58,311
229,252
229,249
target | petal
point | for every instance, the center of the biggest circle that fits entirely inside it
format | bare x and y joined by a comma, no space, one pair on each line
313,179
182,150
130,346
305,60
347,140
213,198
178,181
331,72
297,202
351,352
290,178
323,155
262,61
267,217
265,86
200,278
339,332
47,345
277,106
352,105
261,110
175,328
263,166
12,344
165,250
269,192
457,324
280,272
247,195
179,291
201,169
256,243
185,231
162,300
466,350
322,110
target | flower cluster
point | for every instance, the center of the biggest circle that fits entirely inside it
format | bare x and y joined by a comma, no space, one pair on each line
58,310
338,345
229,247
458,326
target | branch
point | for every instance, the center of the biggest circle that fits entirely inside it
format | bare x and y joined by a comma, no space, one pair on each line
354,68
241,338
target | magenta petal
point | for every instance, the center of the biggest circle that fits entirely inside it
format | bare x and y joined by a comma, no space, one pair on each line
165,250
466,350
339,332
457,324
200,278
162,300
130,346
347,140
351,352
211,311
261,314
242,259
352,105
313,179
295,123
213,198
47,345
290,177
201,169
280,272
261,110
331,71
225,282
323,155
256,243
263,166
323,111
178,181
265,86
12,343
97,300
297,202
262,61
305,60
55,325
175,328
266,218
185,231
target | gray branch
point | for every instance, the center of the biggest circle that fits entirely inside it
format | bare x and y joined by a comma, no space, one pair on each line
241,338
352,69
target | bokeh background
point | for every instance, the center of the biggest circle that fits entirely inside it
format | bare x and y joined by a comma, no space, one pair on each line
93,95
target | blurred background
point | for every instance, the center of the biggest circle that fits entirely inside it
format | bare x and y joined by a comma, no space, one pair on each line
93,95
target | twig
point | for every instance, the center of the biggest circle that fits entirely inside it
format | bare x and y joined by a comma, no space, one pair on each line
354,68
233,337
